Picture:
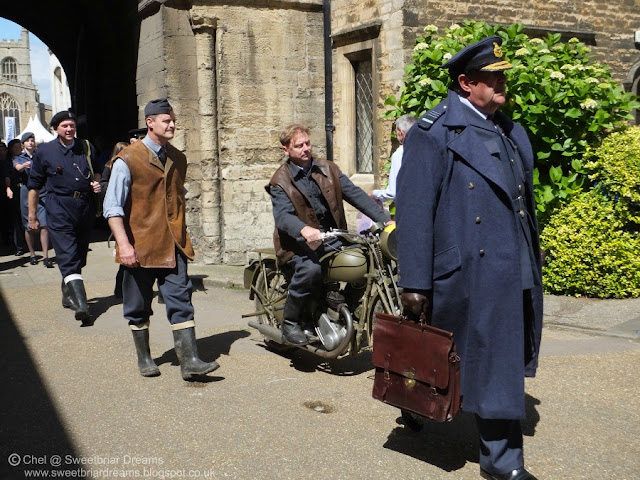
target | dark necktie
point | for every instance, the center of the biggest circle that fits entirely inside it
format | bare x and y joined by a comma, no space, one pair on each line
162,155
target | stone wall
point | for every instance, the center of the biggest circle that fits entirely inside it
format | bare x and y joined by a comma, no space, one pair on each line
236,76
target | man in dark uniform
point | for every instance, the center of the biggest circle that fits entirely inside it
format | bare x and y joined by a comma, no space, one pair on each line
64,165
468,248
306,194
146,210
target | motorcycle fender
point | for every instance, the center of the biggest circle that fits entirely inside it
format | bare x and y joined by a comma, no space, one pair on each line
250,274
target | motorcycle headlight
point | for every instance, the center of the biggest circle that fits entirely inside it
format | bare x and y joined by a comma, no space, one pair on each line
388,242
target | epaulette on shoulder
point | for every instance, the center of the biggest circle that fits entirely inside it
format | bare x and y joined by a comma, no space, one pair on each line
431,117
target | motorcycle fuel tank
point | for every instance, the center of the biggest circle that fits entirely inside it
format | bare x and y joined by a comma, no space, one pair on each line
348,265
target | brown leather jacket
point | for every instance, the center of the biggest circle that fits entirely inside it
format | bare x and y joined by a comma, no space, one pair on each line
328,179
155,209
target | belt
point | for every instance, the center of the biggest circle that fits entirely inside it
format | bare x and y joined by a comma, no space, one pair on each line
74,194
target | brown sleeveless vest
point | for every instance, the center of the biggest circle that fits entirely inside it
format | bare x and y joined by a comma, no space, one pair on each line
155,209
329,183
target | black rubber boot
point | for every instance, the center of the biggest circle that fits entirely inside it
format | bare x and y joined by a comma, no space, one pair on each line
78,293
292,333
187,352
67,299
147,366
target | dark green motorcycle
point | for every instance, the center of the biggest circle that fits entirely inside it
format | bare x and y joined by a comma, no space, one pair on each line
359,280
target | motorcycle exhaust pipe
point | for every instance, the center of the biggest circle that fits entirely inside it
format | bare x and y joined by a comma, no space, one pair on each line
268,331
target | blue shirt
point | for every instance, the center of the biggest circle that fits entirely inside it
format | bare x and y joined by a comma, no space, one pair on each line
120,183
64,169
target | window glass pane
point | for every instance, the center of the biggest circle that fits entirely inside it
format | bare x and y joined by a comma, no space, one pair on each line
8,108
364,116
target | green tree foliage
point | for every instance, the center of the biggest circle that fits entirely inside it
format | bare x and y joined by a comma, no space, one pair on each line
566,101
593,242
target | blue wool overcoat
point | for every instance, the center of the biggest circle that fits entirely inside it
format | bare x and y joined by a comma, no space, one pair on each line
458,237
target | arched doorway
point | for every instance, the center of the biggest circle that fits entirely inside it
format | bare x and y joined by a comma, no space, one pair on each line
96,42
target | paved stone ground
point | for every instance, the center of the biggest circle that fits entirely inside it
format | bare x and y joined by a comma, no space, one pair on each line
76,393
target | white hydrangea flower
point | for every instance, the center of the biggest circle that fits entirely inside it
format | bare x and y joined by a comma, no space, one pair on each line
567,66
430,29
424,81
557,75
421,46
589,104
592,80
537,41
574,40
521,52
447,56
455,26
544,50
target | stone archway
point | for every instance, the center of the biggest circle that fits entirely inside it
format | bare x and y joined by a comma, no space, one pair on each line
97,45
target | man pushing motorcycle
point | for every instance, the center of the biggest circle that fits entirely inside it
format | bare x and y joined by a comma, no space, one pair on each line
306,195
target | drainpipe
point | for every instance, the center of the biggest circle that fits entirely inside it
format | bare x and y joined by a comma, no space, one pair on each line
328,79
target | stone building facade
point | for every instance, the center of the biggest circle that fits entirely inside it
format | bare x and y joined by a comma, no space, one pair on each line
238,72
19,97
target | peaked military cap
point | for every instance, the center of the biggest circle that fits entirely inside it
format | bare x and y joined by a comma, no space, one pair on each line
157,107
61,116
484,55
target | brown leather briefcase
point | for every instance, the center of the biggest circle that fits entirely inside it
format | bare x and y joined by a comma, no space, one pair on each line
417,367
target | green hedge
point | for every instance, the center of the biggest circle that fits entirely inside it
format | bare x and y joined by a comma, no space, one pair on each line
593,242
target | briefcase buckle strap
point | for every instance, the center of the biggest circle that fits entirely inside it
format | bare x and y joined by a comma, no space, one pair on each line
387,362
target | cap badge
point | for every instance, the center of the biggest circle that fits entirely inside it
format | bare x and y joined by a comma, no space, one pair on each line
497,50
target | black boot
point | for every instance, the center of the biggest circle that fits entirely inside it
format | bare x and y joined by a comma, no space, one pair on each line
187,352
292,333
147,366
67,299
78,293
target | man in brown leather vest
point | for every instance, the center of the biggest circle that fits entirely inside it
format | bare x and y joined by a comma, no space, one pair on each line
307,194
145,208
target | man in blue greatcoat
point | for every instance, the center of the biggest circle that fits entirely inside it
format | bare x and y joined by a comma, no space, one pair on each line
64,165
468,248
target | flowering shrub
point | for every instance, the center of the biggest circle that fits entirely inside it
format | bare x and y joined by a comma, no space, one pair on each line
566,101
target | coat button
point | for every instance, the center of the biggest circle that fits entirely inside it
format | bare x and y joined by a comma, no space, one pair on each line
481,253
519,188
478,219
471,186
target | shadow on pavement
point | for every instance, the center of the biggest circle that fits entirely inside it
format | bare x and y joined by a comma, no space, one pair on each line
100,305
30,429
449,445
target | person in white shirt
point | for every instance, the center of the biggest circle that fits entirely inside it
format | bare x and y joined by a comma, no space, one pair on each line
403,124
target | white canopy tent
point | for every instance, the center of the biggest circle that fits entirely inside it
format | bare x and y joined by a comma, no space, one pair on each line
34,126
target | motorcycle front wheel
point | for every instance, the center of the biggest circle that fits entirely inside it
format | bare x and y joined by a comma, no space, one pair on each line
377,306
